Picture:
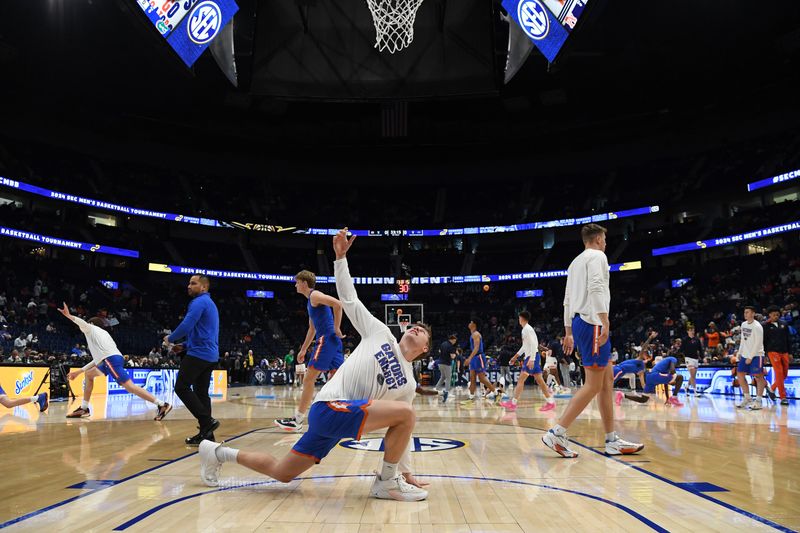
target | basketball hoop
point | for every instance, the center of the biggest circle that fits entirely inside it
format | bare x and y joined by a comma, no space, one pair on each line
394,23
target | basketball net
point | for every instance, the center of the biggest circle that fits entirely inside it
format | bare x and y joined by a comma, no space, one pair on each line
403,325
394,23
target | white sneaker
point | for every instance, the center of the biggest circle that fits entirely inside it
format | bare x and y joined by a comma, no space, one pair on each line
396,489
622,447
745,403
559,444
755,405
491,396
209,464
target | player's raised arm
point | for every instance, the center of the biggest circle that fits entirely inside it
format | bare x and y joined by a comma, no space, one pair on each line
358,314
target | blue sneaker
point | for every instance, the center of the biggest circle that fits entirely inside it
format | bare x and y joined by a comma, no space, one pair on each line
43,402
445,394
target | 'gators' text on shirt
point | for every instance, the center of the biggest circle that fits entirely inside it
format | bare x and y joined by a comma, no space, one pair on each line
390,367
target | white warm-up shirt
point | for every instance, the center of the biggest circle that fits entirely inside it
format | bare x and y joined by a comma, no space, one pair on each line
530,342
376,369
752,341
99,342
587,292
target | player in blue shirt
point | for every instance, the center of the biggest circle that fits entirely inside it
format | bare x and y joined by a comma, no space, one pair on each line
324,327
477,364
663,373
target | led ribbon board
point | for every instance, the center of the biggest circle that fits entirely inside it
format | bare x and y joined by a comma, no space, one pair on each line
172,217
533,293
260,294
760,184
189,26
108,206
486,230
724,241
380,280
547,23
65,243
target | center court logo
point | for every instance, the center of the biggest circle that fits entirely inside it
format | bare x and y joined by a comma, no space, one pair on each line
420,444
204,22
533,19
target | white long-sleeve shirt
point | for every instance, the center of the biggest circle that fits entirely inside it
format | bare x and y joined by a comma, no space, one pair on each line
376,369
99,342
752,341
587,292
530,342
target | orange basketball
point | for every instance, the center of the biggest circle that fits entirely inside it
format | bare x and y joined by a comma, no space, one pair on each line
486,288
399,311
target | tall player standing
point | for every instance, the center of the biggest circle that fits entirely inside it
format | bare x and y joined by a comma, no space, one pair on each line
586,303
324,326
477,364
531,366
372,390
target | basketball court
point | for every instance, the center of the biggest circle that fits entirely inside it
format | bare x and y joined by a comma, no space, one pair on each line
705,467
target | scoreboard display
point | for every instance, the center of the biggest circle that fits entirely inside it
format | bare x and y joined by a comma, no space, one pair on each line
548,23
189,26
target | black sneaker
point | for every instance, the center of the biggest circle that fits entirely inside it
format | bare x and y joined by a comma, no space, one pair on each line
80,412
208,431
288,424
770,393
194,440
162,411
784,402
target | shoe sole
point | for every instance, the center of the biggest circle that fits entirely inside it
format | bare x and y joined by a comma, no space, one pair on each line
625,451
560,450
87,415
159,418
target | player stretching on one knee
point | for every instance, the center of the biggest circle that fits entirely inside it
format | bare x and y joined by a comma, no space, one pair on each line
106,359
663,373
324,323
530,366
372,390
586,303
477,364
633,368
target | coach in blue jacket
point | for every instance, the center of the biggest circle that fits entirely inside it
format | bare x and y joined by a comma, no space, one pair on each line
200,329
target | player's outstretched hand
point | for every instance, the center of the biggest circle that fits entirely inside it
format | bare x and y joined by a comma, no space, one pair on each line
341,244
64,310
74,374
411,480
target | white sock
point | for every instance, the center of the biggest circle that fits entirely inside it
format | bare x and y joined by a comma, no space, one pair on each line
34,398
610,437
551,399
514,401
559,430
388,471
159,403
471,397
84,404
226,455
298,416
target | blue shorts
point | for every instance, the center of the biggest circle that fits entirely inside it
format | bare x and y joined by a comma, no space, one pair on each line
755,368
330,422
328,355
478,364
655,378
537,366
585,335
114,366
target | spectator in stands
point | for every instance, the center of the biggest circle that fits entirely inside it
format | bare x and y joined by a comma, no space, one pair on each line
20,342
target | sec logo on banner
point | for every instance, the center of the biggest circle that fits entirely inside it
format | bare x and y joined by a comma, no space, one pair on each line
533,19
204,22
